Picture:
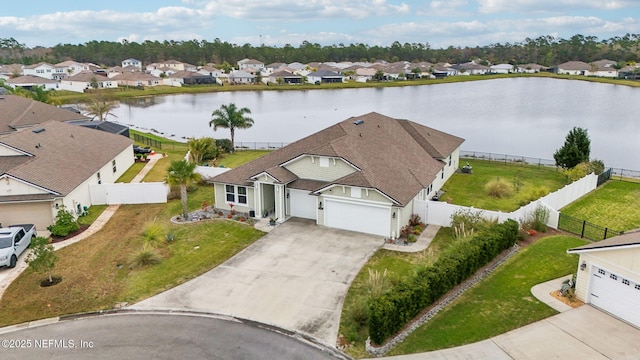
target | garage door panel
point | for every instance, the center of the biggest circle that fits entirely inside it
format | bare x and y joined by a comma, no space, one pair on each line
616,295
303,205
370,219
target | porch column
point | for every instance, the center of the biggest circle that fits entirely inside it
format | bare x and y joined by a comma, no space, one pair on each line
280,206
257,198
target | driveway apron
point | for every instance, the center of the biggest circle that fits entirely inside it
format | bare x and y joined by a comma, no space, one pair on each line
295,277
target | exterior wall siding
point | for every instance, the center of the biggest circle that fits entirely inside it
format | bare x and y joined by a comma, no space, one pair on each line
15,187
372,195
623,262
308,167
221,199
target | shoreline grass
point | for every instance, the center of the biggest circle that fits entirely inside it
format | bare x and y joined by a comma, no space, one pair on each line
68,97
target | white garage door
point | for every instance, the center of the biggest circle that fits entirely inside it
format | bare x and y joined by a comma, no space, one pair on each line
302,204
616,295
370,219
27,213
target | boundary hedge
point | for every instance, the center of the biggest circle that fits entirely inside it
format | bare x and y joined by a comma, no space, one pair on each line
390,312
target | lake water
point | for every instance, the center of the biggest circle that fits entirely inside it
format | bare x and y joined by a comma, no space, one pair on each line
519,116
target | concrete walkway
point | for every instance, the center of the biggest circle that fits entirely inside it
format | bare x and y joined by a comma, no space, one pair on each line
581,333
421,244
7,276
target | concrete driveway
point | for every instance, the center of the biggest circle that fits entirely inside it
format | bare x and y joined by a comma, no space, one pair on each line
295,277
581,333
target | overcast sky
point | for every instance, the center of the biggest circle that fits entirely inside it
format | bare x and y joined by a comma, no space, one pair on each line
441,23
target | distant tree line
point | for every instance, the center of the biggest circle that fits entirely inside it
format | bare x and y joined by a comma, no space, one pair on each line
543,50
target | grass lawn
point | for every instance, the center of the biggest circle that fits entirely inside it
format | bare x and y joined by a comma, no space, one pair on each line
501,302
613,205
92,279
397,266
527,183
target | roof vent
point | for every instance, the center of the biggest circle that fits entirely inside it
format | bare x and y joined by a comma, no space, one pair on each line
38,130
358,122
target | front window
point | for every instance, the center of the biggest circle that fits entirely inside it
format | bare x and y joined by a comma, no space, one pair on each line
113,165
236,194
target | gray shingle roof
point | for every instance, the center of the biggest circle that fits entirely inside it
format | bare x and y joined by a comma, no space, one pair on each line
627,239
17,112
396,157
64,155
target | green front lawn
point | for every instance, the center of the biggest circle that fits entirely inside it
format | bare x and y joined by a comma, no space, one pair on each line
527,183
500,303
613,205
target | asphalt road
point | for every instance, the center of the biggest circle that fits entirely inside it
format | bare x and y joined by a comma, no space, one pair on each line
157,336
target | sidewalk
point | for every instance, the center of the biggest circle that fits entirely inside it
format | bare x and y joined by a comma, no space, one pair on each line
423,241
7,276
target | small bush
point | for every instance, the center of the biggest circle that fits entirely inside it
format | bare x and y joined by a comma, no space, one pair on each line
405,231
153,234
65,224
412,238
143,258
224,145
360,314
466,222
498,188
414,220
533,195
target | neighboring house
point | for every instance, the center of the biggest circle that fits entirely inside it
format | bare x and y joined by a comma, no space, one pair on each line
324,76
132,62
502,69
365,74
18,113
163,71
136,79
52,165
273,67
246,64
86,80
604,68
29,82
211,71
530,68
365,174
240,77
443,70
189,78
471,68
574,68
43,70
609,275
71,67
283,76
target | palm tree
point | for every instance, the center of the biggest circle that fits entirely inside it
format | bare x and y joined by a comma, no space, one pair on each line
232,118
101,108
182,173
200,149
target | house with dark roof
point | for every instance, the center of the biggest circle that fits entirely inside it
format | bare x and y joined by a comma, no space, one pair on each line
52,165
608,275
324,76
365,174
573,68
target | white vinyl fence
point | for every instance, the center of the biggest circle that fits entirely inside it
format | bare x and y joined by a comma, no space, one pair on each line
439,213
125,193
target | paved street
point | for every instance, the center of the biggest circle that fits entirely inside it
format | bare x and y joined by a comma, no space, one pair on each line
156,336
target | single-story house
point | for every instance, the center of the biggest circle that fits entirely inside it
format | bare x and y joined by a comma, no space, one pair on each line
189,78
136,79
86,80
29,82
52,165
502,69
240,77
285,77
574,68
324,76
609,275
530,68
365,174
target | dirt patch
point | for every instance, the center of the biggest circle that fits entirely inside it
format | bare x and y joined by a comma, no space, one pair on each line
574,303
54,281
